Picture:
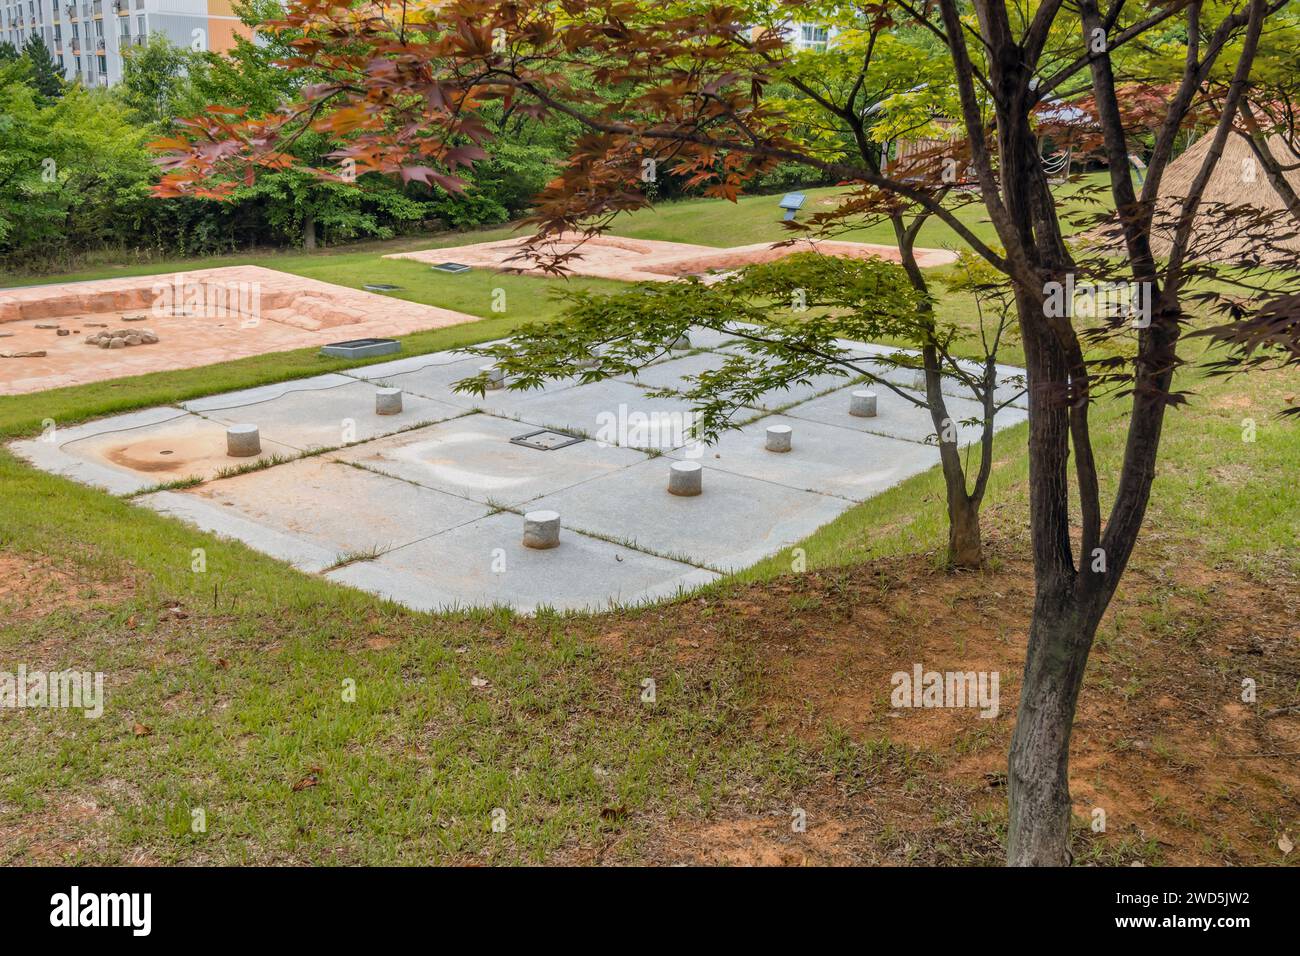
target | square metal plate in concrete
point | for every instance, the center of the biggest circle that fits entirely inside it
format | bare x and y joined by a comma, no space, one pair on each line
734,523
898,418
822,458
546,440
330,417
361,348
315,511
474,457
484,563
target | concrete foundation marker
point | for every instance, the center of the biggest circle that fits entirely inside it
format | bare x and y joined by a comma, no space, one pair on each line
541,529
496,377
778,437
682,343
685,478
243,441
388,401
863,404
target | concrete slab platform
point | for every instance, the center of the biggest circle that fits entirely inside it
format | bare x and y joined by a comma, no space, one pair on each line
328,417
436,381
314,511
474,458
897,417
131,457
264,393
484,563
735,522
823,458
613,412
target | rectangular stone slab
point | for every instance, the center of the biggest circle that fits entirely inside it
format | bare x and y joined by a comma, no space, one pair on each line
484,563
677,374
473,457
614,412
313,511
898,418
329,417
823,458
178,447
734,523
436,381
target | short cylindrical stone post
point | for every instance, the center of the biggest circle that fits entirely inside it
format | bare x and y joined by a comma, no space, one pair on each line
682,343
685,478
778,437
918,381
388,401
496,377
541,529
243,441
863,404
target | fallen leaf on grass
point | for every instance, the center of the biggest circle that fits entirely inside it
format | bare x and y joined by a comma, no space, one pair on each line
311,780
142,730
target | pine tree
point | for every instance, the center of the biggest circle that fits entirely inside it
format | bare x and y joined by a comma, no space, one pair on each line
45,75
8,51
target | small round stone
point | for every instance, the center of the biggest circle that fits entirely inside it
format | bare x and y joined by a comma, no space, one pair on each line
778,437
863,404
243,441
541,529
388,401
685,478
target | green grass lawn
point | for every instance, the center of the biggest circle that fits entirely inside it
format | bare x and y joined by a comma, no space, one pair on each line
234,703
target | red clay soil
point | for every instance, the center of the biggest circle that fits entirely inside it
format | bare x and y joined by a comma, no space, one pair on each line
650,260
1185,771
201,318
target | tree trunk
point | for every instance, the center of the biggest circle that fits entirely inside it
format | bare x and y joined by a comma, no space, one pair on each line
965,546
1060,637
309,232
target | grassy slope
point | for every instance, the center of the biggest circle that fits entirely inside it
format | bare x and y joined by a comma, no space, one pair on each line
239,702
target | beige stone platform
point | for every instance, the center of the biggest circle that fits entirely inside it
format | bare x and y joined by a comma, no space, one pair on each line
652,260
201,317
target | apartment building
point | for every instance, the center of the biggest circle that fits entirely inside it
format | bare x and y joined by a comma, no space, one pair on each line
87,38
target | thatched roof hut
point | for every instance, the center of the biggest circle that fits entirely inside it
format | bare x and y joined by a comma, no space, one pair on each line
1223,229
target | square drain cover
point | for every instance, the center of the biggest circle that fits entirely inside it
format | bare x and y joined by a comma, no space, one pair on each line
381,287
450,267
545,440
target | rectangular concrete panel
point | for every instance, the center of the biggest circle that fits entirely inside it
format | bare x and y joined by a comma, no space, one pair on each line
314,511
484,563
614,412
329,417
678,375
473,457
822,458
898,418
133,458
735,522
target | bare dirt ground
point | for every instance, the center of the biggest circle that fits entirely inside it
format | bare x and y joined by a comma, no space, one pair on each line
1185,771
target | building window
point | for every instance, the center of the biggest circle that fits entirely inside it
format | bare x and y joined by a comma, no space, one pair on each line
812,37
